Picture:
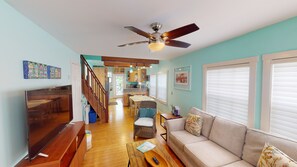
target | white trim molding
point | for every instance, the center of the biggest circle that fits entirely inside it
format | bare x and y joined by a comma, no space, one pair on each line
268,61
248,62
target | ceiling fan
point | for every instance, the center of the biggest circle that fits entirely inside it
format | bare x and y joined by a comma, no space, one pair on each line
156,41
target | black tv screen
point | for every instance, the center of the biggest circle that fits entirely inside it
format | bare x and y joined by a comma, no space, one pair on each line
48,112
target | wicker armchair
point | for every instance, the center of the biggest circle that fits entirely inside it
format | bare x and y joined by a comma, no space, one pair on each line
145,120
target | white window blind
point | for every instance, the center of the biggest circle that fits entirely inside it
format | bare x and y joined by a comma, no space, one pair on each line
153,85
162,87
283,113
227,92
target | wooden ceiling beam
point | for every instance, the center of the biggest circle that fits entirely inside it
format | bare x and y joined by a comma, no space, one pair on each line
129,60
124,64
116,64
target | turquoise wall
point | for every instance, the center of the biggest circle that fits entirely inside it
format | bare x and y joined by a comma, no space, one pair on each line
92,57
20,39
275,38
93,60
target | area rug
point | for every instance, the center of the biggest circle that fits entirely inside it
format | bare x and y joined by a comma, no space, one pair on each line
113,103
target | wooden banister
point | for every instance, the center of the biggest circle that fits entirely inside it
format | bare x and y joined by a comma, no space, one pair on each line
94,90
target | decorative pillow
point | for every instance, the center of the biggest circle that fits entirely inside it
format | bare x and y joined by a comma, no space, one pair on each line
272,156
194,124
147,112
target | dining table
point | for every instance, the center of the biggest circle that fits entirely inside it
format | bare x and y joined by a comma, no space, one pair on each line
135,102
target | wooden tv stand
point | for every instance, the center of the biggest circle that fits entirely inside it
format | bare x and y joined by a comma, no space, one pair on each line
67,149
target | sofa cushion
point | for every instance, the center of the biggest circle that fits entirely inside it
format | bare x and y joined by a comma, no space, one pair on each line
228,134
207,120
255,140
208,153
272,156
194,124
239,164
180,138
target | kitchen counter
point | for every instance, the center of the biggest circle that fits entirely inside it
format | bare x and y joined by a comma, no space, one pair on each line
131,92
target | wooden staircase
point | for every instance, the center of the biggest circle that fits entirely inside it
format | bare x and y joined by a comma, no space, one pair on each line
93,90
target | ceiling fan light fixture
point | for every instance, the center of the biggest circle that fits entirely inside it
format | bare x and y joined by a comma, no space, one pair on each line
157,41
156,46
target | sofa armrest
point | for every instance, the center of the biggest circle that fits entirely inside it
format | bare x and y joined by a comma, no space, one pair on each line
175,124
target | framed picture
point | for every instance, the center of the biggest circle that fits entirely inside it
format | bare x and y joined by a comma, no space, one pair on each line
33,70
182,78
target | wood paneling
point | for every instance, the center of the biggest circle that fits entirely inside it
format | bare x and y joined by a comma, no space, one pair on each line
110,139
101,74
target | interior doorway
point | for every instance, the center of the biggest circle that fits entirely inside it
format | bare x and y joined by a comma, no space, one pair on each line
118,84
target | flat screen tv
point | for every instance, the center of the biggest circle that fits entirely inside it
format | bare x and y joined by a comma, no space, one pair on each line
48,112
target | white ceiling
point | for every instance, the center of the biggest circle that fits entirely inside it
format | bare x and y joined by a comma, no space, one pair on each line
95,27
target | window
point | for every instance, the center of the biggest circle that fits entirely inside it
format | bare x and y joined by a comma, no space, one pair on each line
162,87
153,86
279,103
229,90
158,86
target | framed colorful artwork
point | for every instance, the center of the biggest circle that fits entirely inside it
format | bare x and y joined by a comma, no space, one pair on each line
53,72
182,78
33,70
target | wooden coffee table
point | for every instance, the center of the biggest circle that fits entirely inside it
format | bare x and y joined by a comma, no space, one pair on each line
136,158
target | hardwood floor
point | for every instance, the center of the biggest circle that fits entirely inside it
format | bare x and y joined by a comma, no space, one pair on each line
109,140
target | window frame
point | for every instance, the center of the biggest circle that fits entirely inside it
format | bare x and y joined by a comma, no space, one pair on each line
156,86
162,101
268,61
250,62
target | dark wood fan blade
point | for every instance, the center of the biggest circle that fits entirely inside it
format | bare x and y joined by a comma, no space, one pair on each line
180,31
176,43
138,31
133,43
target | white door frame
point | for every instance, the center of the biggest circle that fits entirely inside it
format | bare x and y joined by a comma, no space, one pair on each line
76,92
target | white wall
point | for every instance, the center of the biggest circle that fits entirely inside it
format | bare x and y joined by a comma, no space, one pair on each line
20,39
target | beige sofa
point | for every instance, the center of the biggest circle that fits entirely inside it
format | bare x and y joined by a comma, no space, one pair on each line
222,143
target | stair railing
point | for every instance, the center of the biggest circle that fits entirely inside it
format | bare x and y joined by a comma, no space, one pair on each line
94,91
